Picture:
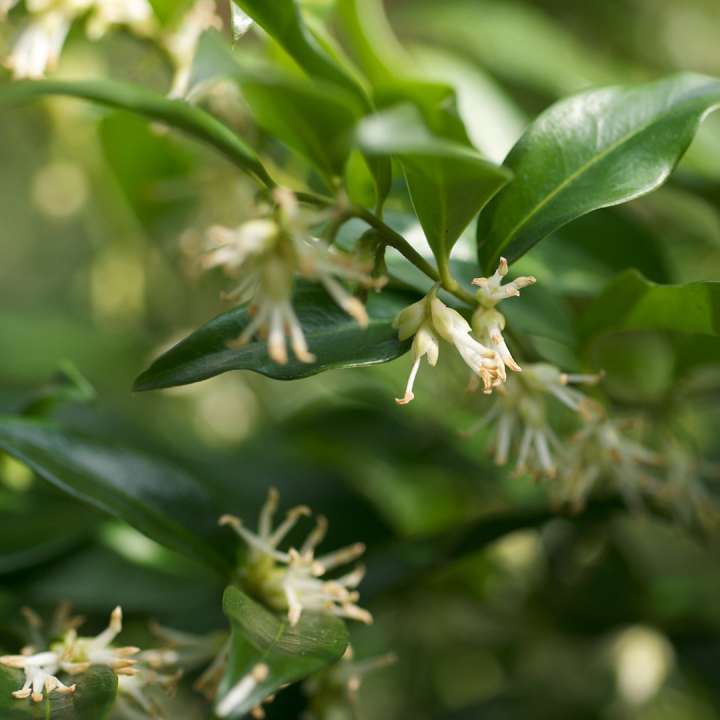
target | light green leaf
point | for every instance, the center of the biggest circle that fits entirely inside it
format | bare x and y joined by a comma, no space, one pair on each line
160,500
93,699
283,20
594,150
290,653
175,113
448,183
631,302
314,119
393,74
333,336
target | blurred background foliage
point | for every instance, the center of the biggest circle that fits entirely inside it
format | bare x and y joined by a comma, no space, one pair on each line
609,614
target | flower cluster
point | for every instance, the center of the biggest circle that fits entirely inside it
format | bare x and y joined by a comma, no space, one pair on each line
481,345
335,691
71,655
266,255
293,581
38,48
520,416
487,322
601,450
40,43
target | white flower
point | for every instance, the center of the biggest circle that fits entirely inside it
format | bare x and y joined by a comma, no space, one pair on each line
335,691
487,323
266,255
182,43
292,580
241,691
602,451
40,675
430,319
40,44
79,653
72,655
137,15
520,416
6,6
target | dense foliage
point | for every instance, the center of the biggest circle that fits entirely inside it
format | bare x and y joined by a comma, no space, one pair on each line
512,212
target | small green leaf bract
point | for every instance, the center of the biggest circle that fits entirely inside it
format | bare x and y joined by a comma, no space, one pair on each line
333,336
594,150
290,653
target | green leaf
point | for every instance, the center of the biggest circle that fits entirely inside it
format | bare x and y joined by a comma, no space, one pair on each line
392,72
632,302
175,113
282,20
448,183
159,500
333,336
38,528
93,699
594,150
291,653
315,119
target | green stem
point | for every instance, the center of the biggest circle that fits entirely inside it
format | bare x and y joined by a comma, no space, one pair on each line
397,241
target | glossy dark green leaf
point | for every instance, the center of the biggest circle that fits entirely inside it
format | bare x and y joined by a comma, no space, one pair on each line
448,183
283,20
594,150
175,113
632,302
93,699
333,336
291,653
158,499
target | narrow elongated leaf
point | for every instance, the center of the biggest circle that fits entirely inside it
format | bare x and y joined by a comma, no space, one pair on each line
594,150
283,21
175,113
290,653
159,500
448,183
333,336
93,699
632,302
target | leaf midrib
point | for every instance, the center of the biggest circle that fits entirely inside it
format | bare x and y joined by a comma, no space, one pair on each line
582,169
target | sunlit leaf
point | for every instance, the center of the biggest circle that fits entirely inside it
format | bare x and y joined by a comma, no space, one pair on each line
290,653
283,20
134,98
594,150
